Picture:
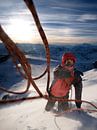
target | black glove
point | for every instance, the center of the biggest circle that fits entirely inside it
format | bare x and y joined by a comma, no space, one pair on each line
78,104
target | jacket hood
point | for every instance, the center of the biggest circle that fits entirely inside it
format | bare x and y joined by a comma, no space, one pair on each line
68,56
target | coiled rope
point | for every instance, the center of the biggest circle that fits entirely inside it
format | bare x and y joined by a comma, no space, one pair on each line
19,57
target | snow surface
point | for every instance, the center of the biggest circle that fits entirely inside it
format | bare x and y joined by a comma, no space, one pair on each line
31,115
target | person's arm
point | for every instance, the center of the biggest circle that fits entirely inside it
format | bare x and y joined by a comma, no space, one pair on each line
78,89
78,93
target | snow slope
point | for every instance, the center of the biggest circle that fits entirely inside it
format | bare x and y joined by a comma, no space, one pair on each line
31,115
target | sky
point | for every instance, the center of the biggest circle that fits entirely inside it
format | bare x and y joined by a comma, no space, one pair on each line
64,21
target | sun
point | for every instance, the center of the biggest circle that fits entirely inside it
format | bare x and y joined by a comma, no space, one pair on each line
20,30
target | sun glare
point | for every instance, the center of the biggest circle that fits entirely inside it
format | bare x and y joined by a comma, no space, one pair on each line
20,30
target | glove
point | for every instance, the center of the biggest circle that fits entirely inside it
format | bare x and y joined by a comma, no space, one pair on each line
78,104
48,91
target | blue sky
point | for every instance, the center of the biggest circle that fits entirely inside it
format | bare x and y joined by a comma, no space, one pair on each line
64,21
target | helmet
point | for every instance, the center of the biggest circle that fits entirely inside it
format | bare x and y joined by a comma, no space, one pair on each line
68,56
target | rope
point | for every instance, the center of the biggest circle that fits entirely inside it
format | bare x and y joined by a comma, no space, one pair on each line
9,91
53,99
19,57
69,100
33,11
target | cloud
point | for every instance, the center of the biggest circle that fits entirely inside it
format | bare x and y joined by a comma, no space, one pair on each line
13,9
87,17
59,18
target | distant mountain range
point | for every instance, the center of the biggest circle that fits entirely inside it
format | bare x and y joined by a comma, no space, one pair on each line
85,53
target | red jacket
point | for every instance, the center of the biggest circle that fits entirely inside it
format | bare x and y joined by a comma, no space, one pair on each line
63,80
65,77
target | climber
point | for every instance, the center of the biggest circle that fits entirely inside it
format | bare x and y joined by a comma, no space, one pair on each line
65,75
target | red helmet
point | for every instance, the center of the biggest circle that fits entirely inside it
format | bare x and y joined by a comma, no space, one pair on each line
68,56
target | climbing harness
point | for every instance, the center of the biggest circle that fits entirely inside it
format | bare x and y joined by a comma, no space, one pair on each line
19,57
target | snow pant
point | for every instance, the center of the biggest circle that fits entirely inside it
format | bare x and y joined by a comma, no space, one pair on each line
78,93
62,106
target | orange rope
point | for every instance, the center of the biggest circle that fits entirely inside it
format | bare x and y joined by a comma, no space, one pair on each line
70,100
15,53
33,11
53,99
18,56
